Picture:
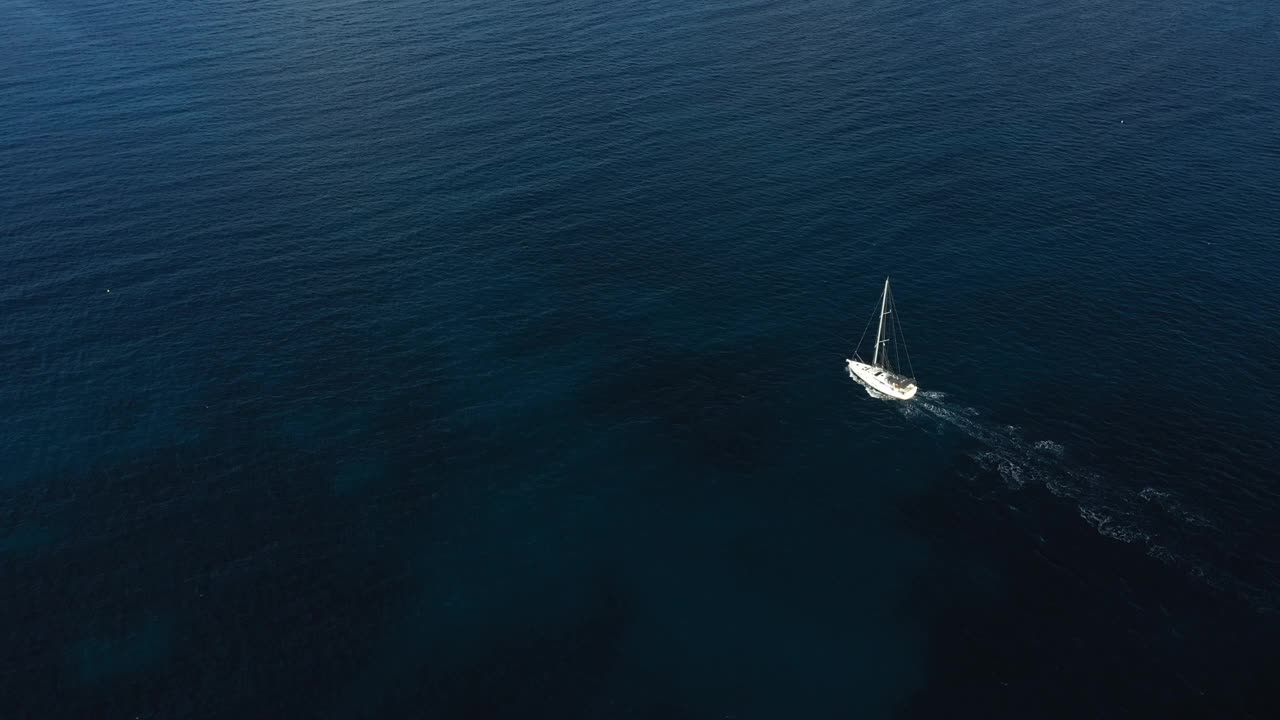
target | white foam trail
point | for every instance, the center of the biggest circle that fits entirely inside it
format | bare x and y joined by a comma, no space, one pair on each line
1109,507
1050,447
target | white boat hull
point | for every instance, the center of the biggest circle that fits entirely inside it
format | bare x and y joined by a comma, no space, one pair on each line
878,381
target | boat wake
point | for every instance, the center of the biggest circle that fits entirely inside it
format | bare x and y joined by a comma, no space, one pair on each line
1154,518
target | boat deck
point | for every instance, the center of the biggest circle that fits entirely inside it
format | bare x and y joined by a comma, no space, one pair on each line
895,379
882,380
892,378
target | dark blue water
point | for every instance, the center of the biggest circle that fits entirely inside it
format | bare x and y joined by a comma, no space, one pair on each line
485,359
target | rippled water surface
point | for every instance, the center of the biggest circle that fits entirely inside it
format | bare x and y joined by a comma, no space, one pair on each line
485,359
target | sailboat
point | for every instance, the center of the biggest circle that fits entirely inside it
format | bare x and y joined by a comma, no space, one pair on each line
883,376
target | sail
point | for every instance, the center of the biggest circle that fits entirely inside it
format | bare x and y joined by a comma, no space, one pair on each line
880,339
889,342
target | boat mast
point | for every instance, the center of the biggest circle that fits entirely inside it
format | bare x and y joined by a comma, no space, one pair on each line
884,299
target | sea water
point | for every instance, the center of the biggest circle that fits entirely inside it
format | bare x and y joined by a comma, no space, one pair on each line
474,359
